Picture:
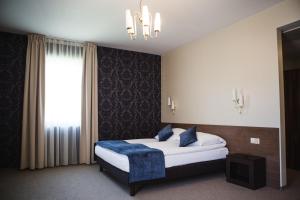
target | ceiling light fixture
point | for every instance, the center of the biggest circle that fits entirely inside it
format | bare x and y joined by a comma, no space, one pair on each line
145,19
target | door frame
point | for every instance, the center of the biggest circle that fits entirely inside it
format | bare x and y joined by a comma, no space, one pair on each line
282,135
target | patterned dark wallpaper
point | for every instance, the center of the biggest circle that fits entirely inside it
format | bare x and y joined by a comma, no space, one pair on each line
129,94
12,73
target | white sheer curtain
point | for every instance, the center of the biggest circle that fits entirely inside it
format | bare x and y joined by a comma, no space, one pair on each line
63,79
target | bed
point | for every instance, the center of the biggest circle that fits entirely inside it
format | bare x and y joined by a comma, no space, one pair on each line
179,161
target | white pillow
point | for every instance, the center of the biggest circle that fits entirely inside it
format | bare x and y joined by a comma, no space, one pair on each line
176,133
205,139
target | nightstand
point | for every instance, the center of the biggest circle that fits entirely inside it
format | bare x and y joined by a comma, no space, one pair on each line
246,170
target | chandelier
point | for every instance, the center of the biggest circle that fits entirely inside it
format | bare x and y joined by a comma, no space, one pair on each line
145,18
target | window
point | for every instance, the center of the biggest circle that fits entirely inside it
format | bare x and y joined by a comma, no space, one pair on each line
64,63
63,79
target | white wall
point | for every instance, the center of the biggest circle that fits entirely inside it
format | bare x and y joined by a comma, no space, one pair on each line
200,75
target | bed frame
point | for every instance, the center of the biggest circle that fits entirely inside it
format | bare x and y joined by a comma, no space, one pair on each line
172,173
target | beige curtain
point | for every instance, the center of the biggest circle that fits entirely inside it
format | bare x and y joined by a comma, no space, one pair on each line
33,136
89,109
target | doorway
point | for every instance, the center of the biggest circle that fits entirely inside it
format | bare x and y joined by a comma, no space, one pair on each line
290,48
291,67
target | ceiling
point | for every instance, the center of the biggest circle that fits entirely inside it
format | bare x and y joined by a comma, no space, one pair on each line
103,21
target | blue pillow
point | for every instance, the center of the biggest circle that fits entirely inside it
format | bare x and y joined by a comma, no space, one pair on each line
165,133
188,137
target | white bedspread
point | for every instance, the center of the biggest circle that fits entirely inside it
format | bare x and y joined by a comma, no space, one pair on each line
174,155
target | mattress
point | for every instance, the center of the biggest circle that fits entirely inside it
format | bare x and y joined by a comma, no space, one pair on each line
174,155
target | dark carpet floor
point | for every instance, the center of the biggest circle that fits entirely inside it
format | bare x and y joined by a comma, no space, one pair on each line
87,183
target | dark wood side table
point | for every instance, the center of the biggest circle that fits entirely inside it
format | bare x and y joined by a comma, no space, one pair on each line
246,170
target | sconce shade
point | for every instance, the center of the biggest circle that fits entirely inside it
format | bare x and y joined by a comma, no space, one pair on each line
173,105
146,32
129,20
238,100
234,94
146,17
169,101
157,23
241,99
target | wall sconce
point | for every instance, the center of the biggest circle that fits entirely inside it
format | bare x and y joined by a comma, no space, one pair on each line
171,104
238,100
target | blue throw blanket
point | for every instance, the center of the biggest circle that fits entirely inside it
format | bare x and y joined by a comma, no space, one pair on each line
144,163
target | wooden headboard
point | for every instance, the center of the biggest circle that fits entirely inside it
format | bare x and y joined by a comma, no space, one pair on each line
238,141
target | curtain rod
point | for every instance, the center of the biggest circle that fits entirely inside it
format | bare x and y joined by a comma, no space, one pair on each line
65,40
